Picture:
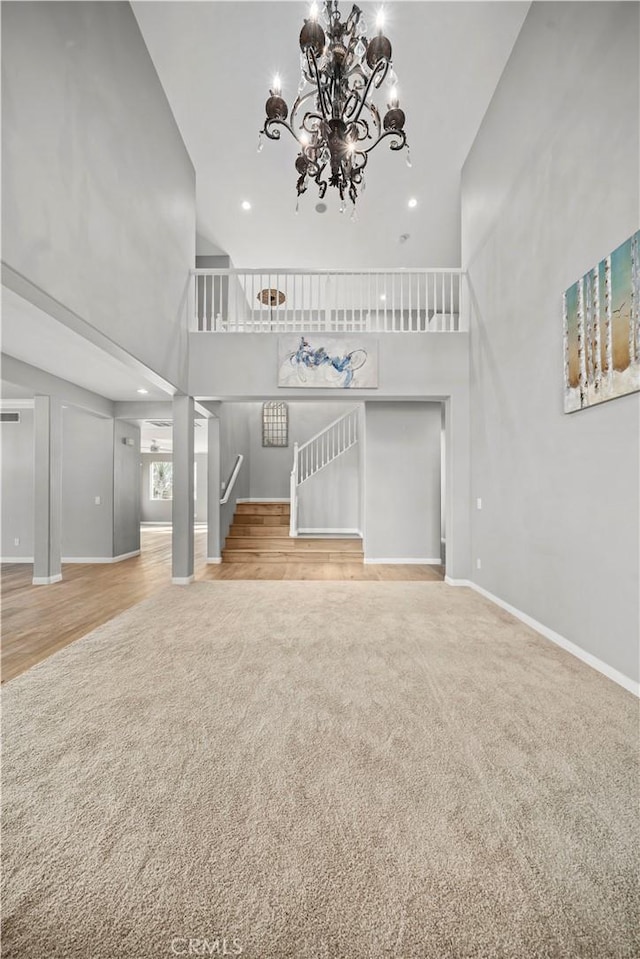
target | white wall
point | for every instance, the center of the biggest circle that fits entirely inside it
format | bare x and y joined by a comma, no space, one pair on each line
244,366
98,189
402,481
16,441
126,489
550,187
87,473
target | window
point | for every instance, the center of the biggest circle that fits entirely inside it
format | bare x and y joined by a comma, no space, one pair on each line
161,476
275,424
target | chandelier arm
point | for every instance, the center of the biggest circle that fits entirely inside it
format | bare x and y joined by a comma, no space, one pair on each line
373,110
322,93
376,70
270,129
309,117
402,140
296,106
366,133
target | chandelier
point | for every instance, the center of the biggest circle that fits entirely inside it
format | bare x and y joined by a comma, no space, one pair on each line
334,120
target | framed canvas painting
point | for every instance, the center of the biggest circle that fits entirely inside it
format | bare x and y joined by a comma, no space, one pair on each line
319,361
601,316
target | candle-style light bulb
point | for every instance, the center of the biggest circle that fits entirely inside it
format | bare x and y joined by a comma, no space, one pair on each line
393,96
277,84
380,19
313,12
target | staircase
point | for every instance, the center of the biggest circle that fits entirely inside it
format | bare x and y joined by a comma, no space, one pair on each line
316,454
260,534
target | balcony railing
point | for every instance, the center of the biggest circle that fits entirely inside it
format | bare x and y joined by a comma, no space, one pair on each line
365,301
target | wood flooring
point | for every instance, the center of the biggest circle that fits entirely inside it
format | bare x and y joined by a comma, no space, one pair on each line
39,620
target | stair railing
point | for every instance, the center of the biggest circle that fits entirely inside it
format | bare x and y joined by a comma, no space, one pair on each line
322,449
231,482
311,301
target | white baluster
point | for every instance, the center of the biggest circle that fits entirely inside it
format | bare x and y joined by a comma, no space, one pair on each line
451,327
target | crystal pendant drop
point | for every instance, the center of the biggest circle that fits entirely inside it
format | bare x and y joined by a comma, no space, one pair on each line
297,207
343,207
260,142
354,215
363,185
360,50
408,157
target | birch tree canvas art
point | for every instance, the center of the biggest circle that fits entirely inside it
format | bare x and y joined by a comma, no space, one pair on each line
601,315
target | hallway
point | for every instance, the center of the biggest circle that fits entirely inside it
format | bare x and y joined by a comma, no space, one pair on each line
37,621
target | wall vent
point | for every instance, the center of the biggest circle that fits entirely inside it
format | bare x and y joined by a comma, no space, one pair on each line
9,417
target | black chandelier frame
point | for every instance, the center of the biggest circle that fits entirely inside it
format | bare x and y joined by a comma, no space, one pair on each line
333,136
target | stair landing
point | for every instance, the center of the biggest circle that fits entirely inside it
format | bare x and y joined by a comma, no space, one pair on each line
260,534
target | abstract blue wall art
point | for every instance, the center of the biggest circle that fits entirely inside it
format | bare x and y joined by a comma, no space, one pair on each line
316,361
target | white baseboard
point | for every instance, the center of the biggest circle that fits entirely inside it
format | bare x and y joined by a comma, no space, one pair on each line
46,580
614,674
403,561
100,559
263,499
327,531
214,559
182,580
16,559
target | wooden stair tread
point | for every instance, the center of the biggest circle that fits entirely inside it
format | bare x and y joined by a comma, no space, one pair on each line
288,556
244,530
262,509
266,519
296,545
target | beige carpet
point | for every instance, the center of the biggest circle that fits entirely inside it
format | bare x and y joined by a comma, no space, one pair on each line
319,770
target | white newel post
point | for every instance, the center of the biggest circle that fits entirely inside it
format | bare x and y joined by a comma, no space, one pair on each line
293,497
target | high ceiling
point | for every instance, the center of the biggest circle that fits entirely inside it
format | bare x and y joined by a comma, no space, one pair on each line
216,60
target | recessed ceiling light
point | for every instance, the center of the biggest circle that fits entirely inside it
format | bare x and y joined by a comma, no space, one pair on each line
383,297
142,390
246,205
412,203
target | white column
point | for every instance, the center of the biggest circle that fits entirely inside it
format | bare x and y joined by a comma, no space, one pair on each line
182,506
47,490
213,490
